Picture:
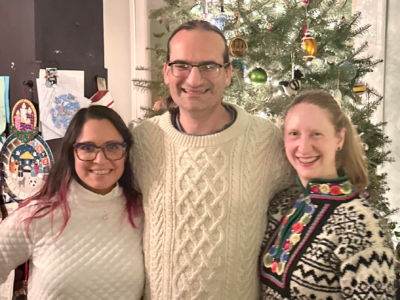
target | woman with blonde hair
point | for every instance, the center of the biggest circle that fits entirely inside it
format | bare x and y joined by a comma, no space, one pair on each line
323,240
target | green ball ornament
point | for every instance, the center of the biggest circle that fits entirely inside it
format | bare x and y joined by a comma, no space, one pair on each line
258,76
348,71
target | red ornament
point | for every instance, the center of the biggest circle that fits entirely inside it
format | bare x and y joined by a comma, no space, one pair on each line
335,190
45,162
298,227
285,219
274,266
39,149
28,135
270,27
305,1
15,131
314,189
305,30
21,136
286,246
34,131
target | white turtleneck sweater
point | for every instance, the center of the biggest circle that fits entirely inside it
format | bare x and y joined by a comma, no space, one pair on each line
98,255
205,200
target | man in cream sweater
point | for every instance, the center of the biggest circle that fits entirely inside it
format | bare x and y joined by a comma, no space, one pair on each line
206,170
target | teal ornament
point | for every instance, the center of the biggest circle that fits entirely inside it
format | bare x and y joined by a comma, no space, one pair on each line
197,10
239,67
331,58
258,76
347,71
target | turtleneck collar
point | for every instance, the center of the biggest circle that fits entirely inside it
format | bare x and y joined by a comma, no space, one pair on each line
83,198
328,188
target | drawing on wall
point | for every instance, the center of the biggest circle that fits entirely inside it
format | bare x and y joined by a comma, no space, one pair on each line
64,108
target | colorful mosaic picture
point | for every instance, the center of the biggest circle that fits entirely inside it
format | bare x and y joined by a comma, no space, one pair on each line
25,166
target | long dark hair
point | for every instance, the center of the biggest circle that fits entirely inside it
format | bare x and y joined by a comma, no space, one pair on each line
53,193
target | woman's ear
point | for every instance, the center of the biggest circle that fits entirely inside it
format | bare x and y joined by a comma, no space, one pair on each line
341,137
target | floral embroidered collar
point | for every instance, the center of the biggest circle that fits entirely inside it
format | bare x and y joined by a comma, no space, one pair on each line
292,229
328,188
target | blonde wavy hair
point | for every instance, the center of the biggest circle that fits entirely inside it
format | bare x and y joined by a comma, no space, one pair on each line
351,157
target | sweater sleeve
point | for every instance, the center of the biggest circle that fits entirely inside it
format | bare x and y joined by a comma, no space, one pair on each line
15,245
366,254
136,159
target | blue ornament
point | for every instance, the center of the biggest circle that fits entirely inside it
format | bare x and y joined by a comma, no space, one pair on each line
272,251
220,21
347,71
284,256
310,209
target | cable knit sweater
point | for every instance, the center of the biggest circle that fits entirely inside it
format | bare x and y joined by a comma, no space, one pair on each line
330,245
98,256
205,200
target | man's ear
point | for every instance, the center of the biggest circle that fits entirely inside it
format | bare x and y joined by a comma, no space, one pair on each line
167,71
228,76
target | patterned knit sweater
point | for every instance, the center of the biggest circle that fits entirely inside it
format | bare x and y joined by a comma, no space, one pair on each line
330,245
97,257
205,201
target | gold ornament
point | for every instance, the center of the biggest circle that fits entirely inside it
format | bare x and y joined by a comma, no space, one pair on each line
237,47
309,45
294,239
324,188
281,268
359,88
268,260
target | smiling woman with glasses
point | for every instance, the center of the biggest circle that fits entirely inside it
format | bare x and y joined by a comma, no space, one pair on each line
82,231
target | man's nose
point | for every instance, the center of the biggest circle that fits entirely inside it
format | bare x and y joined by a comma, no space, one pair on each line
194,78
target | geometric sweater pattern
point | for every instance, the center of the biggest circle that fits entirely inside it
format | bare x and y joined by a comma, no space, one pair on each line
205,200
98,256
344,252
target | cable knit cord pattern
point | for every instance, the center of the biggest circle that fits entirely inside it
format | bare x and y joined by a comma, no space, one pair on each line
205,202
93,259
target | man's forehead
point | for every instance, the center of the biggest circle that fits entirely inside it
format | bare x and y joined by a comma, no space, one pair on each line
196,46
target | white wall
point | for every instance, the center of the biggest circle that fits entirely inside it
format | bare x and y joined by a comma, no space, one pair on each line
391,109
125,41
373,13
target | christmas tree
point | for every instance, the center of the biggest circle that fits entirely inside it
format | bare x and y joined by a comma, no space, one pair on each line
280,48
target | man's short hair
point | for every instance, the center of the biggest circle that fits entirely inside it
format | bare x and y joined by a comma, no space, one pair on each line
200,25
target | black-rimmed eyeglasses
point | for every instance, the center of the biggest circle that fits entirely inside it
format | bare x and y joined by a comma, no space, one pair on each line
183,70
88,151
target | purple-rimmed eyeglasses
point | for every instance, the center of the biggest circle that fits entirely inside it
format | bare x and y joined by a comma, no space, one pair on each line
88,151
